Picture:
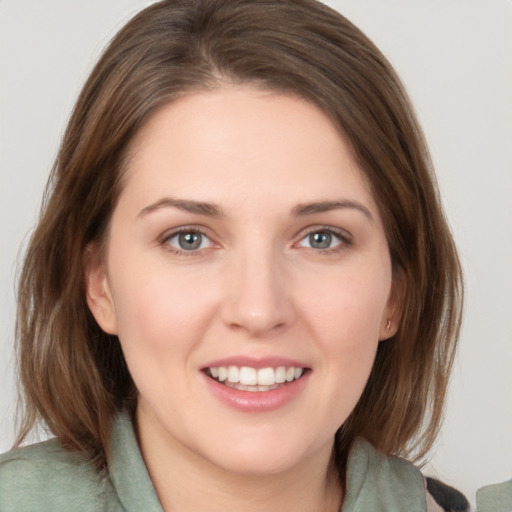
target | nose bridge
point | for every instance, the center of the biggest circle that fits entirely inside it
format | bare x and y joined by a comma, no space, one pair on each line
256,297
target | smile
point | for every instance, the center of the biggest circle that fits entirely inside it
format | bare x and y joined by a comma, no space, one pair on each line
246,378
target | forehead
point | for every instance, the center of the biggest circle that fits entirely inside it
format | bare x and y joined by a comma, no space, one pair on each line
243,142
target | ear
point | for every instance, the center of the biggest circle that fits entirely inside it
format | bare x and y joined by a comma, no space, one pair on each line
97,290
393,311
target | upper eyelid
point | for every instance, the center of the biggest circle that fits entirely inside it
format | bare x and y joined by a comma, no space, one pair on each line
341,233
169,233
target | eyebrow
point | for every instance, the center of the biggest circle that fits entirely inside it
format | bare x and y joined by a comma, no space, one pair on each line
326,206
213,210
187,205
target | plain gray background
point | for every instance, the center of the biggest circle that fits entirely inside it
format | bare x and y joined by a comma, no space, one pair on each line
455,57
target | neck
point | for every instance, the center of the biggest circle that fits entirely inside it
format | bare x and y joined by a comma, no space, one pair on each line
186,482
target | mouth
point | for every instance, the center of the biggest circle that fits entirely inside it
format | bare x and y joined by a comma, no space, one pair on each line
246,378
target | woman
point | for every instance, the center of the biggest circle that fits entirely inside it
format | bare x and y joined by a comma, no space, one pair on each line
242,291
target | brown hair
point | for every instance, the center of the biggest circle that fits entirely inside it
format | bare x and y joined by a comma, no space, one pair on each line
73,374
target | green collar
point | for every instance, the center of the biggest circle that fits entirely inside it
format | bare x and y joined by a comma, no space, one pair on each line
128,472
375,482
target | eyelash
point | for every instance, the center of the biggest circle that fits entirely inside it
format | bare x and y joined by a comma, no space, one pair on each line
342,236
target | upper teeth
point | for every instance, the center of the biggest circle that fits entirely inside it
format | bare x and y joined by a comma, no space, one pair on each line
248,376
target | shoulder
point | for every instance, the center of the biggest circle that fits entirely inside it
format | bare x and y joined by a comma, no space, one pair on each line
44,477
495,498
379,480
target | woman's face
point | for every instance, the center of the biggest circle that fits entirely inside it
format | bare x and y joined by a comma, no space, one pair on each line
246,249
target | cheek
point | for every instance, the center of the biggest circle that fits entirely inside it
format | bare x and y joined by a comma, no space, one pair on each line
159,311
348,309
159,324
344,316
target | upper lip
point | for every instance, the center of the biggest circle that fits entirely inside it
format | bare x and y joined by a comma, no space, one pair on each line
252,362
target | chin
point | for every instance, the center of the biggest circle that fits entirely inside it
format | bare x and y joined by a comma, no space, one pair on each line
262,457
256,465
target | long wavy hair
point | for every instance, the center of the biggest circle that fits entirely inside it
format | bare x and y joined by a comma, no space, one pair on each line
73,375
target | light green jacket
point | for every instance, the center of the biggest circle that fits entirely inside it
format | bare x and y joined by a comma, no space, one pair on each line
46,478
495,498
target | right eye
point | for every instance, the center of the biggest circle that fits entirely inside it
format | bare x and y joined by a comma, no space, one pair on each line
187,241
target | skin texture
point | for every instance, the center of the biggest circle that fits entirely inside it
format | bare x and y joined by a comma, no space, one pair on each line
255,287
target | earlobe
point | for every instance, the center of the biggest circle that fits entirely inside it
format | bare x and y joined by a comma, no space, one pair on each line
393,312
388,328
97,290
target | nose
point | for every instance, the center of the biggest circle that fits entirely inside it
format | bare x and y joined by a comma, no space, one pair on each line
257,297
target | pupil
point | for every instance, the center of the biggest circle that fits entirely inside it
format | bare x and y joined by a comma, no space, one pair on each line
320,240
189,241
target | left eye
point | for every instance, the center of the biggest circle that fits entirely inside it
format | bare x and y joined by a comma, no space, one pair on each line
189,241
321,239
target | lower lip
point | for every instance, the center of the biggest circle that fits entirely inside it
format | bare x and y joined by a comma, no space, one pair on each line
257,401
